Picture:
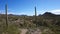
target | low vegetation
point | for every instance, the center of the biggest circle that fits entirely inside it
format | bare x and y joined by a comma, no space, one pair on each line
48,23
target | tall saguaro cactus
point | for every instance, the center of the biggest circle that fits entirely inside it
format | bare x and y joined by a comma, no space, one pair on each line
6,15
35,16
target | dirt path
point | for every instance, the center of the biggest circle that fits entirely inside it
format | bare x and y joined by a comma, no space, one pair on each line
31,31
23,31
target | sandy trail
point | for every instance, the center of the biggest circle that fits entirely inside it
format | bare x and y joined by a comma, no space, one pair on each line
23,31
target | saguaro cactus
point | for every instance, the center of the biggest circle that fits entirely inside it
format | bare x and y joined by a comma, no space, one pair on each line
6,15
35,16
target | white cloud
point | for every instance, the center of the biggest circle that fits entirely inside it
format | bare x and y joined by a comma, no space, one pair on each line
16,13
55,11
41,12
2,12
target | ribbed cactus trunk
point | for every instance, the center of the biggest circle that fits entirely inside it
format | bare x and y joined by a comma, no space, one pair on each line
35,16
6,15
6,19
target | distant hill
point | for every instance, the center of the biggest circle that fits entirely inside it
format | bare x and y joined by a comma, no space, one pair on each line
48,14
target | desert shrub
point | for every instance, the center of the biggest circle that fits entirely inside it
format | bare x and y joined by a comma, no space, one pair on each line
11,29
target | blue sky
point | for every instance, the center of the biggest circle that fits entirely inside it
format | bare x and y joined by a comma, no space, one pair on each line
19,7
